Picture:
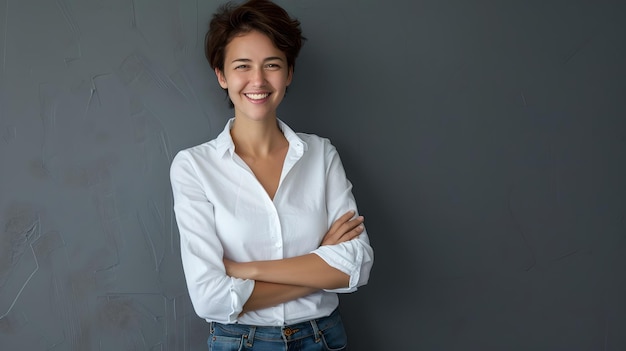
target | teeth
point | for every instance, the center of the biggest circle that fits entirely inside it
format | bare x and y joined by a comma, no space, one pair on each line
257,96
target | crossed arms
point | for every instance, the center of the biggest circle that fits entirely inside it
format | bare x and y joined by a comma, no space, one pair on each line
283,280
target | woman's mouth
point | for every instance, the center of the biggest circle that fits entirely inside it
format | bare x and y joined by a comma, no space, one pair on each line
257,96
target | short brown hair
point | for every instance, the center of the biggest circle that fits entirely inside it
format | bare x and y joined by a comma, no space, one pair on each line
261,15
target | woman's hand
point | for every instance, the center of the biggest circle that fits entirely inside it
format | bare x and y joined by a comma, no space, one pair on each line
343,229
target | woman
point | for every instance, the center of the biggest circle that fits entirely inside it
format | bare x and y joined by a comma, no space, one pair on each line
268,223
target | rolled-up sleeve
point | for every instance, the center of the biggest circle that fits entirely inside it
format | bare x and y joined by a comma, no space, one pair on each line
354,257
215,296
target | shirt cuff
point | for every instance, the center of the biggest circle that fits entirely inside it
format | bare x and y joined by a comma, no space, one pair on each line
240,291
346,258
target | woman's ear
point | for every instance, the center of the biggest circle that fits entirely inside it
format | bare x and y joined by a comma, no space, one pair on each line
289,76
221,78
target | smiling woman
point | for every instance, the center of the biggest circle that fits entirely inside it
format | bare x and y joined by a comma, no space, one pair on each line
269,228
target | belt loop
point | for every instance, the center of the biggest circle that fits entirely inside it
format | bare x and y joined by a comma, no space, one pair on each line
316,330
250,337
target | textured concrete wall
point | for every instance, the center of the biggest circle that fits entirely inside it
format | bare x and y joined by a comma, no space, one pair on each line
486,141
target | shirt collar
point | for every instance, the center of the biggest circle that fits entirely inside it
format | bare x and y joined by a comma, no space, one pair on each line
224,142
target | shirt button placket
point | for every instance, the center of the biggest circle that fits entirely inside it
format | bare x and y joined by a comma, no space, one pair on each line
277,238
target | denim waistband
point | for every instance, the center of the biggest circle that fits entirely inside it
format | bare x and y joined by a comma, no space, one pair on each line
286,333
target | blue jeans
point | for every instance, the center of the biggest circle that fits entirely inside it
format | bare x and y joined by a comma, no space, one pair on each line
322,334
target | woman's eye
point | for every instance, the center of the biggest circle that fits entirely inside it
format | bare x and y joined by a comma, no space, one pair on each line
241,67
273,66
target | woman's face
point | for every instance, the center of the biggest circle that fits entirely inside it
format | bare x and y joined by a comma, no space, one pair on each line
255,74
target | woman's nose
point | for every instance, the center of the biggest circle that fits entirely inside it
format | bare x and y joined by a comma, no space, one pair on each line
258,76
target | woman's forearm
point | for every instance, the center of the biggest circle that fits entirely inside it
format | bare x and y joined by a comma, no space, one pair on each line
308,270
267,295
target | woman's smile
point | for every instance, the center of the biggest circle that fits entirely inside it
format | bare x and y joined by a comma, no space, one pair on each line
257,97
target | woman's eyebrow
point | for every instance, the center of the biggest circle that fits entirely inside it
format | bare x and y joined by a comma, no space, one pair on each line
272,58
241,60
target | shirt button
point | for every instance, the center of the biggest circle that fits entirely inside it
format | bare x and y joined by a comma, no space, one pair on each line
278,244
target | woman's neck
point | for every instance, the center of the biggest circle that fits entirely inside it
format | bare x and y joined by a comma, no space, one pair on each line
257,138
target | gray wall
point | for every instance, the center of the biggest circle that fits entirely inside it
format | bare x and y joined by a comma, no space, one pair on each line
486,141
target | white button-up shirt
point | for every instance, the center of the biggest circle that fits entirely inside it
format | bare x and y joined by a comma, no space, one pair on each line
222,210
